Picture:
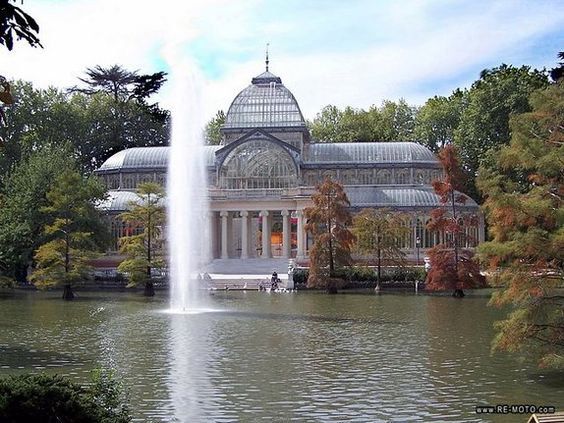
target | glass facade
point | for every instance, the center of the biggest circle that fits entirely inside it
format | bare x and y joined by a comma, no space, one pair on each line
258,164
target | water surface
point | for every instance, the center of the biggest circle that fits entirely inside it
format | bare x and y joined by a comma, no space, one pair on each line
279,357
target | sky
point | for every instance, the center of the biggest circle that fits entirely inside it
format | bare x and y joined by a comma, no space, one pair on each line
342,52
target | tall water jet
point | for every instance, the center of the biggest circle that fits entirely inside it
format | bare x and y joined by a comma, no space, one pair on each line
187,191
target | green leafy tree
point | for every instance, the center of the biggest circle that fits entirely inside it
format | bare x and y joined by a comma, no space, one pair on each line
390,122
46,398
15,23
558,72
144,250
451,267
72,218
213,127
438,119
23,196
379,235
523,189
95,125
499,93
328,221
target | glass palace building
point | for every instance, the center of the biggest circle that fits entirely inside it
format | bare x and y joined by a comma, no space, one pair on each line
262,176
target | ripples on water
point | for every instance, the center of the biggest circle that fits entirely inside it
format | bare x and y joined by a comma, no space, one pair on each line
279,357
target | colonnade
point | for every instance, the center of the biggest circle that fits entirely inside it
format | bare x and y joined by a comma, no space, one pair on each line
239,224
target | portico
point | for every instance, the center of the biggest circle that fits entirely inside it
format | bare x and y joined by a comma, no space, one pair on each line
261,232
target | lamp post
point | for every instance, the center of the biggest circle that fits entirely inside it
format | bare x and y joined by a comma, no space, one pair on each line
417,245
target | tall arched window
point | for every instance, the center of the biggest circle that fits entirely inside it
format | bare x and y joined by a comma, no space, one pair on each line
258,164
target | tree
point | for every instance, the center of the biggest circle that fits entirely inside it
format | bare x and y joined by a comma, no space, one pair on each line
558,72
499,93
380,233
122,111
23,196
95,125
72,220
523,190
43,398
328,220
451,267
438,119
144,250
390,122
15,22
213,133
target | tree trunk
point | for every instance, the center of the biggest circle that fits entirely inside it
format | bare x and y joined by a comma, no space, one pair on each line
67,292
149,289
458,293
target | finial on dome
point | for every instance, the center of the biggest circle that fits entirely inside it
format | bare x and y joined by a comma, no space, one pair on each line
267,61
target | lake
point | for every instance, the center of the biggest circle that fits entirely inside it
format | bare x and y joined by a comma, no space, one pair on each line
307,357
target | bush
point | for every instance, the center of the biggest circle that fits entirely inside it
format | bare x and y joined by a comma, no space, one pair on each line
52,398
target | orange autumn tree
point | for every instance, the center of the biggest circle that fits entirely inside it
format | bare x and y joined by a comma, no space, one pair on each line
523,187
452,268
328,221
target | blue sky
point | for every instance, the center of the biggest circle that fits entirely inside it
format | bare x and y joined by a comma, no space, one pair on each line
354,52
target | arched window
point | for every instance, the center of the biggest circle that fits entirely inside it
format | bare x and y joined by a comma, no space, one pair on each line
258,164
384,177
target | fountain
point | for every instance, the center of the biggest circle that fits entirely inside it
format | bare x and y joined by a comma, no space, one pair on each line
187,194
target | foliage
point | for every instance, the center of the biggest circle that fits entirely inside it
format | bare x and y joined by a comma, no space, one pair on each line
213,133
47,398
96,126
390,122
23,197
451,268
523,192
367,275
380,233
144,251
499,93
558,72
438,119
14,22
328,220
72,219
450,273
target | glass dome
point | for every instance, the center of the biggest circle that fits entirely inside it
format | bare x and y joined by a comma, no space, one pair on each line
264,103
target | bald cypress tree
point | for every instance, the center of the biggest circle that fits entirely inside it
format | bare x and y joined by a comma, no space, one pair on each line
523,188
328,220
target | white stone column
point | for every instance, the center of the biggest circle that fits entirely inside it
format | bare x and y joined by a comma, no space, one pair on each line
286,239
224,214
301,234
244,234
266,247
211,237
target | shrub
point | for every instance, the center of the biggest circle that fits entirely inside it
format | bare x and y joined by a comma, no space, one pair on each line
52,398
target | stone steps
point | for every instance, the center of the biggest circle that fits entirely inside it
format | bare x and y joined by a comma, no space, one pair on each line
253,266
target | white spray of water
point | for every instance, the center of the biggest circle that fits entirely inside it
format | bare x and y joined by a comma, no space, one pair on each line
187,193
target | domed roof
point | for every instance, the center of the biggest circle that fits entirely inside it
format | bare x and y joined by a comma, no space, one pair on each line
264,103
139,158
370,152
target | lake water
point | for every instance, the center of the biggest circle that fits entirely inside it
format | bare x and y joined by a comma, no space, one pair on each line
306,357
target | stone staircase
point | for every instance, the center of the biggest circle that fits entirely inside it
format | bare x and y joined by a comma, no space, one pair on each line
245,273
252,266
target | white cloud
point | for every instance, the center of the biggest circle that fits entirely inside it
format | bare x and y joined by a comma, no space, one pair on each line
349,53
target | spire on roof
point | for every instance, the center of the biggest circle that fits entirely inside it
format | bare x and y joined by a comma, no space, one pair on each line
267,61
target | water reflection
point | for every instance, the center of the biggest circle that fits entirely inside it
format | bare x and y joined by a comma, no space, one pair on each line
299,357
